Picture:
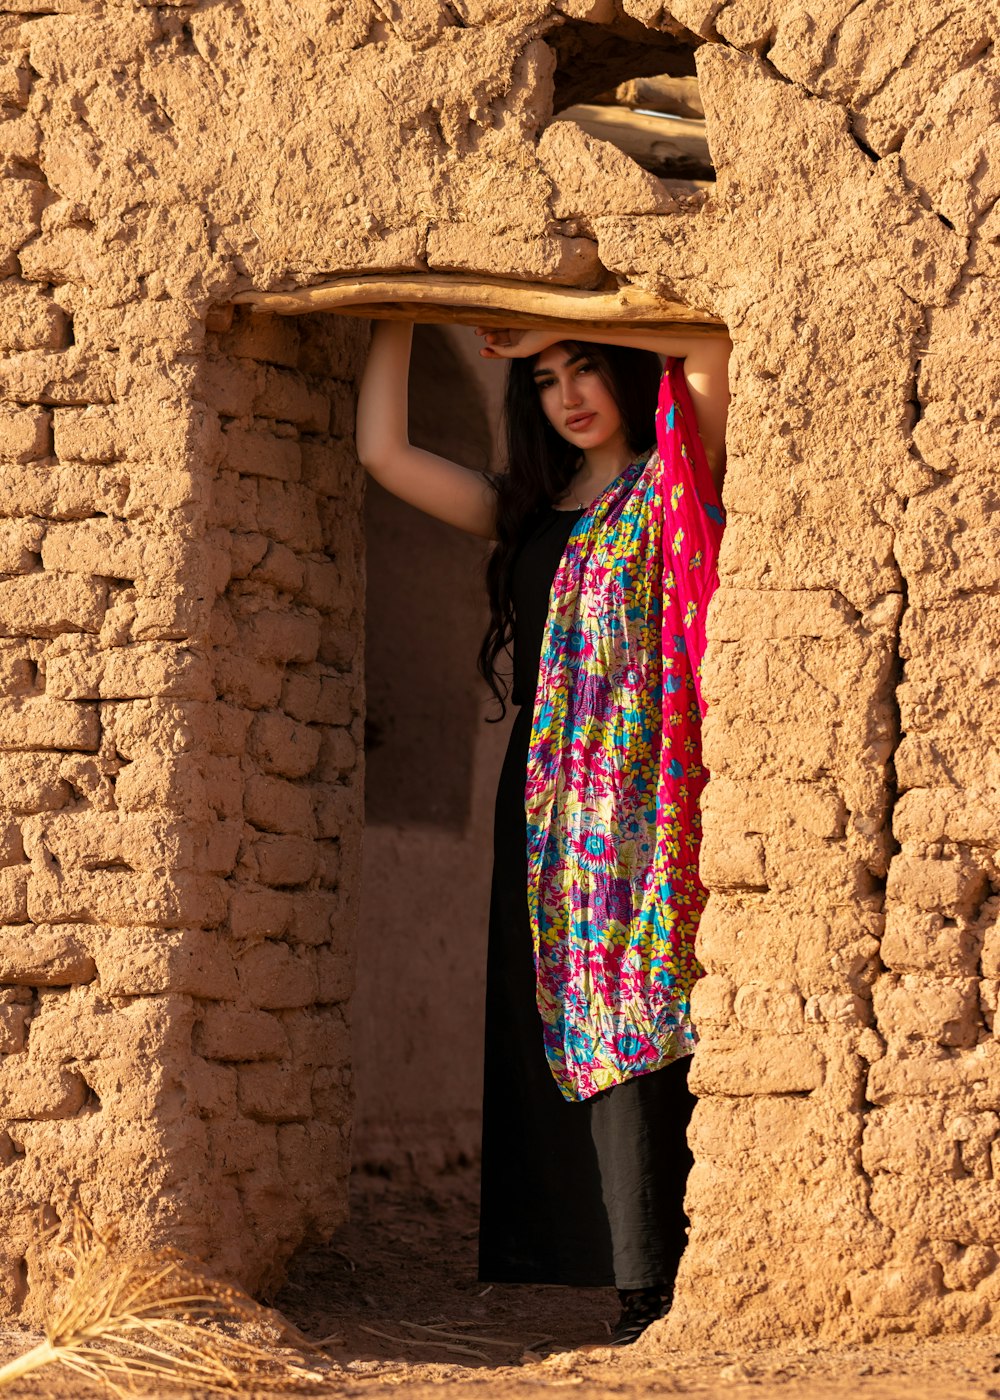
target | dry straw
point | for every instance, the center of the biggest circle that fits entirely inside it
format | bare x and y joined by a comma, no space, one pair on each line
157,1318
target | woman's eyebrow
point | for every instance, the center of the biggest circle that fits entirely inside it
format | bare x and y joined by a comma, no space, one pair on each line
570,360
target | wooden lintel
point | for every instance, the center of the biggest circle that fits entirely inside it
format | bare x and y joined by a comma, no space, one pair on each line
475,301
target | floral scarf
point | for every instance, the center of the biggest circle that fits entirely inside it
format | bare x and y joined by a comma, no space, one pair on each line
614,765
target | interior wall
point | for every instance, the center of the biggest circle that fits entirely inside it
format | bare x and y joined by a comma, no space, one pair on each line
432,765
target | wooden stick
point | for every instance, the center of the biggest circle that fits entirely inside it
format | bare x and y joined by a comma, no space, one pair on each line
658,143
679,96
483,301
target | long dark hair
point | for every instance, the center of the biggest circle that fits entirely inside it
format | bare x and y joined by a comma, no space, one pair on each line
540,466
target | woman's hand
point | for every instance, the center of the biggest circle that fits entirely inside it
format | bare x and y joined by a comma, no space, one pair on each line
514,342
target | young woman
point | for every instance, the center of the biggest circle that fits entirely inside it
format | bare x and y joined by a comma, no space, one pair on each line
607,523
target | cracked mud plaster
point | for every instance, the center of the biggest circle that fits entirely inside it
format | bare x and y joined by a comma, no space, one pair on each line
181,610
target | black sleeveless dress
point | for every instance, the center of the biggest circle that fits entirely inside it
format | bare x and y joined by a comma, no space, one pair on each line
590,1193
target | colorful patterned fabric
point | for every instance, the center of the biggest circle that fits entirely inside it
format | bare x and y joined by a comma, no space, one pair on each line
614,766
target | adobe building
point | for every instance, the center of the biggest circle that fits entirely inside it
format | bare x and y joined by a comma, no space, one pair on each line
182,603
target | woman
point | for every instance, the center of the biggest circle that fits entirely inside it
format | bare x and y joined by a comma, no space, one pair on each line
607,525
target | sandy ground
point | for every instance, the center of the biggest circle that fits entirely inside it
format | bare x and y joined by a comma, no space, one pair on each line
402,1275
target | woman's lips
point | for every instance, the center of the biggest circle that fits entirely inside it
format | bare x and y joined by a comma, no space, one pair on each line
579,421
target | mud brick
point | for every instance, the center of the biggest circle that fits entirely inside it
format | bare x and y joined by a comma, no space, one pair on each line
337,703
282,636
20,541
338,755
11,845
300,695
275,1093
712,1001
328,467
275,805
287,397
148,962
260,336
226,1033
127,898
46,604
13,1019
227,387
146,670
28,490
318,917
284,860
21,141
29,319
738,613
316,1148
731,861
280,567
24,434
33,782
759,1007
37,1092
330,859
262,454
237,1145
21,204
324,587
287,512
775,1064
336,976
942,1010
214,1088
110,548
337,806
32,956
245,681
91,434
950,886
260,913
44,723
274,977
282,746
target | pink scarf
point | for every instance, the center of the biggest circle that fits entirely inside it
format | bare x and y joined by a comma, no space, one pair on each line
614,765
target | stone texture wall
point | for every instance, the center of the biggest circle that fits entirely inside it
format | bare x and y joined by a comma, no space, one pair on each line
179,515
181,735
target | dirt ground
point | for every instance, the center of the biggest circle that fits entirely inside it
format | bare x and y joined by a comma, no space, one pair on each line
396,1302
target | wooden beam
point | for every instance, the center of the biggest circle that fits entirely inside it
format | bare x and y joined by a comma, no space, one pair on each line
679,96
664,145
482,301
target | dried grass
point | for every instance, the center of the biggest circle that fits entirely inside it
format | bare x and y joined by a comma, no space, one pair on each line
130,1321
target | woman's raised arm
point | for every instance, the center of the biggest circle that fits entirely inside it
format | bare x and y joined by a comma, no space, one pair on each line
706,369
442,488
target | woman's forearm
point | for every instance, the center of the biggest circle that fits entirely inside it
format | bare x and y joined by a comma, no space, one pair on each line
706,369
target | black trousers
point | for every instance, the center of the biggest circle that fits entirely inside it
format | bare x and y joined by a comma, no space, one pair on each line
590,1193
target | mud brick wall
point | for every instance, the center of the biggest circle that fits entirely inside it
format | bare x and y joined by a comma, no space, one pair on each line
180,727
180,603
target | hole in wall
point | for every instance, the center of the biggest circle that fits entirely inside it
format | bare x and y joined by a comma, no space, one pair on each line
641,96
19,1284
593,58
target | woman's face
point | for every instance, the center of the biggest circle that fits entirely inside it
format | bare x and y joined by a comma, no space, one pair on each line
575,399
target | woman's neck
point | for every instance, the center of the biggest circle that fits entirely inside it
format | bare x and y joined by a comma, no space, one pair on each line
598,469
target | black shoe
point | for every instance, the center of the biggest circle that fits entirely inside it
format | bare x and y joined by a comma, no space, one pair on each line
640,1307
